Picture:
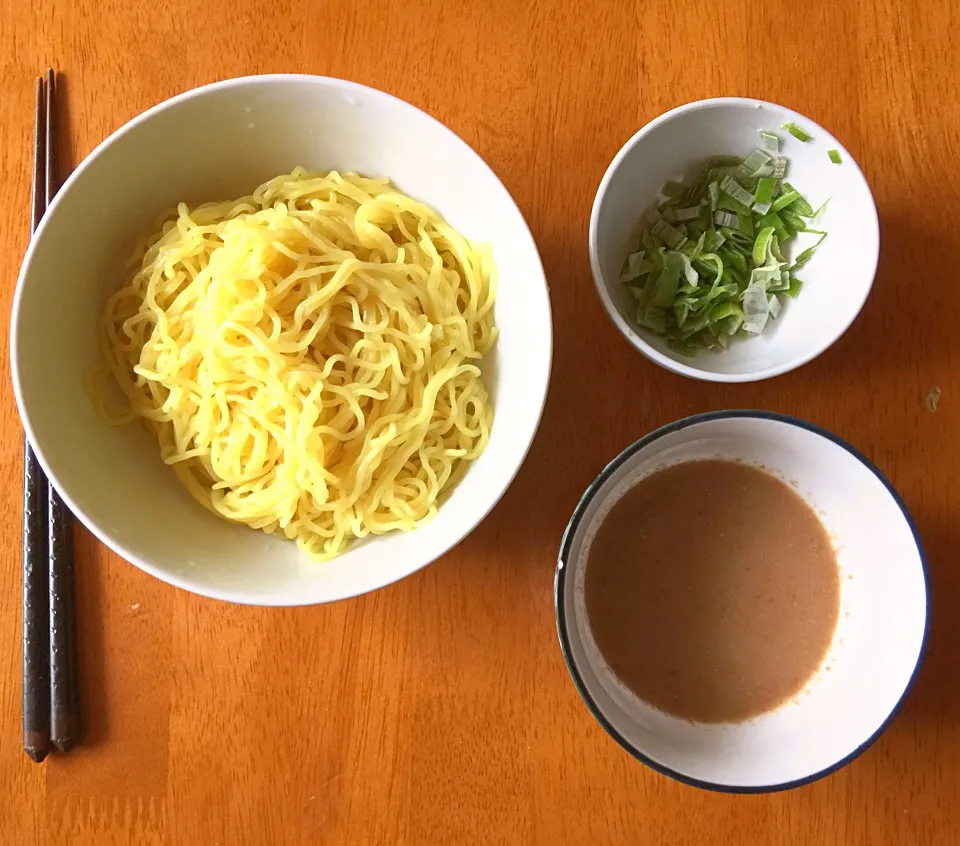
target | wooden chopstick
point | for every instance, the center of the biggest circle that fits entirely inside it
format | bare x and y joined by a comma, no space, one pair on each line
64,692
36,640
50,690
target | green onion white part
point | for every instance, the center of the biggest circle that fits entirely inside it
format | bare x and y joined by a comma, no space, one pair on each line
710,265
770,141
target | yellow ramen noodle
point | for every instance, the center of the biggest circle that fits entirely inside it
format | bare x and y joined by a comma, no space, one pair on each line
308,356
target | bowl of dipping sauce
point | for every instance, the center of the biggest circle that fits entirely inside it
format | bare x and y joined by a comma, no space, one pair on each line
742,601
707,241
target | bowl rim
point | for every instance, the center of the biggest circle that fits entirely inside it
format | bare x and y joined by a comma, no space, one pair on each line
559,593
631,334
232,595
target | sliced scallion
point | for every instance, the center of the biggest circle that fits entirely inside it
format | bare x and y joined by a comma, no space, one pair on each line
835,156
797,132
770,141
631,268
714,191
710,264
730,186
670,235
724,218
788,195
774,305
751,164
761,246
688,213
674,190
807,254
763,196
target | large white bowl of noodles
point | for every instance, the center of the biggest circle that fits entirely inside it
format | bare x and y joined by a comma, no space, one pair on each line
218,143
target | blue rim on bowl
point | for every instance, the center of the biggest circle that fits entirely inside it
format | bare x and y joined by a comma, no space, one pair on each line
562,622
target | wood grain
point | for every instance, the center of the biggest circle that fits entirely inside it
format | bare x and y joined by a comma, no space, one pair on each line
439,710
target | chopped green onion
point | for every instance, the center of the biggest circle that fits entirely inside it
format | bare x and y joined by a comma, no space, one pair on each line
682,347
723,218
751,164
791,217
770,141
771,218
689,274
737,259
697,248
689,213
762,245
724,310
775,251
728,203
711,261
730,186
800,205
774,305
788,195
797,132
713,240
631,269
779,284
714,191
756,308
724,161
674,190
820,210
835,156
654,318
807,254
763,197
670,236
666,285
768,276
710,264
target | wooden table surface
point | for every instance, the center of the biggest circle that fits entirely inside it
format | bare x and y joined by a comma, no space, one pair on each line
439,710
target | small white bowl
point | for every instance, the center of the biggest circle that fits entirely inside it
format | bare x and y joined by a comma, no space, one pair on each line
876,649
836,281
219,142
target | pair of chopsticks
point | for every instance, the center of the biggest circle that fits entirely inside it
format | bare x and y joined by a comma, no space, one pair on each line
51,706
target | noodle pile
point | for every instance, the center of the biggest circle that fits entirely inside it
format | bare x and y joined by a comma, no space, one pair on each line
308,356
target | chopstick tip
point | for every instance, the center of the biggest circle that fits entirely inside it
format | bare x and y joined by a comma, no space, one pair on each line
64,730
37,745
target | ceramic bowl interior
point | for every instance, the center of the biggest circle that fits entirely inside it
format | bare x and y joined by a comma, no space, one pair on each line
876,648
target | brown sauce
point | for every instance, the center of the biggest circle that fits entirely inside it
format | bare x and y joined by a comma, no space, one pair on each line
712,591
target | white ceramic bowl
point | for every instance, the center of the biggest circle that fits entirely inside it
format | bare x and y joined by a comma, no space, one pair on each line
879,639
220,142
836,281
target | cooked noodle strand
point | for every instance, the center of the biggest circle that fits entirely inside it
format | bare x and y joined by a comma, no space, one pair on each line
308,355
